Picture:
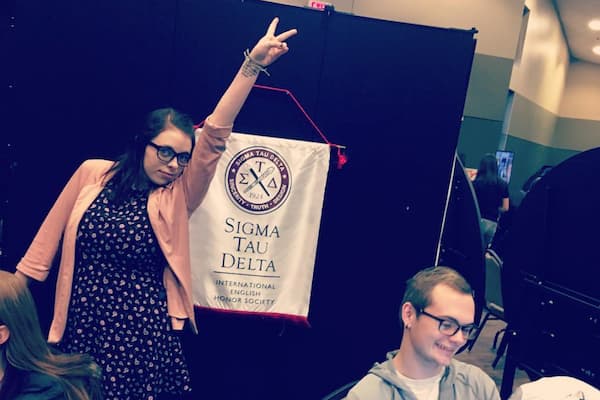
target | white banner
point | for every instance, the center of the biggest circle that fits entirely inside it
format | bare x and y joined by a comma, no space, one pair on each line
254,238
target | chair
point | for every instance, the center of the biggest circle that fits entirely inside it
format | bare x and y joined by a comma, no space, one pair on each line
494,308
341,392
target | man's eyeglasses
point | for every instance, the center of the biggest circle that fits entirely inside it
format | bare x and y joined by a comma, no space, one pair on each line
450,327
166,154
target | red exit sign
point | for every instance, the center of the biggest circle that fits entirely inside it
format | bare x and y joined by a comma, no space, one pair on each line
319,5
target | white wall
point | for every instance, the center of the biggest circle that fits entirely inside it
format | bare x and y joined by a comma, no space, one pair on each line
541,73
497,21
581,97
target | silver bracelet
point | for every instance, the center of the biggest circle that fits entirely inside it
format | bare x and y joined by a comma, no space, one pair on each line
253,64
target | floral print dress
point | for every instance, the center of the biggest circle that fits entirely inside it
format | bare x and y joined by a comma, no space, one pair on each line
118,308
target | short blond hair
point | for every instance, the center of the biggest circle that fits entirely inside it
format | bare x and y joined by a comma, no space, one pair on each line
419,287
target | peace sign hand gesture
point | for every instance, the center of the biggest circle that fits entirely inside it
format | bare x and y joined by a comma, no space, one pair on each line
270,47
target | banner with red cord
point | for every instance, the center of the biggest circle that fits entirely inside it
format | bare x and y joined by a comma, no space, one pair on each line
254,237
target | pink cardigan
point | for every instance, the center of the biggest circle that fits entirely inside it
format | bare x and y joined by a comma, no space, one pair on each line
169,209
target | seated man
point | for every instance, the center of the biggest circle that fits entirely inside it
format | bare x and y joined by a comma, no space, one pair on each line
438,314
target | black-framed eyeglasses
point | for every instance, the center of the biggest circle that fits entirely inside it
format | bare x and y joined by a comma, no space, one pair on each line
166,154
450,327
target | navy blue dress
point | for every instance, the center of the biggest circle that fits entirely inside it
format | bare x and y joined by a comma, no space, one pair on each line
118,308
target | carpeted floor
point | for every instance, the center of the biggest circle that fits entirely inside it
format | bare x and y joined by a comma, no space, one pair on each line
483,355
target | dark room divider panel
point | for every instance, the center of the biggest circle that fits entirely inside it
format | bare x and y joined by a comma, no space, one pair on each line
392,92
550,290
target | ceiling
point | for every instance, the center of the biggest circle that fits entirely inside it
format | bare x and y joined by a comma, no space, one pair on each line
574,16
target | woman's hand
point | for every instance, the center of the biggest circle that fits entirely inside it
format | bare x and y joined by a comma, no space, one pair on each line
270,47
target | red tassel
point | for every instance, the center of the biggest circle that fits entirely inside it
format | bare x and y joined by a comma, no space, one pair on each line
342,158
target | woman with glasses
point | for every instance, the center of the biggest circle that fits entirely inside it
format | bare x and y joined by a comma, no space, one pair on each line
29,368
438,314
124,283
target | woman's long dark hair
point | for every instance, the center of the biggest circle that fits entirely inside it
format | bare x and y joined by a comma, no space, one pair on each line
26,349
128,169
487,173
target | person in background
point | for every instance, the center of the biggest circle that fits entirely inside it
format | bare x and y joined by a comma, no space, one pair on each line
437,313
492,196
124,283
29,368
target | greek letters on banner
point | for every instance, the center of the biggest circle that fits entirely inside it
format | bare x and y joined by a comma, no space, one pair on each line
254,237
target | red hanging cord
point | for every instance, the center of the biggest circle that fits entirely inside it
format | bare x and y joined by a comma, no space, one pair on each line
342,157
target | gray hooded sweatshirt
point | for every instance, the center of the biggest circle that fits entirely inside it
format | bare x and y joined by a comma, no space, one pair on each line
460,381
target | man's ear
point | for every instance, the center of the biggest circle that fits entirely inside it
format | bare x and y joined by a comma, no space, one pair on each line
408,314
4,334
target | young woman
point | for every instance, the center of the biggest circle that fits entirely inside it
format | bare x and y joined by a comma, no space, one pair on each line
29,368
492,196
125,282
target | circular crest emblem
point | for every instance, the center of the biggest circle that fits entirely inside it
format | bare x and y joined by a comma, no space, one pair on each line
258,180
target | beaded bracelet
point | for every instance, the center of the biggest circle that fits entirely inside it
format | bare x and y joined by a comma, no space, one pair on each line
253,65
